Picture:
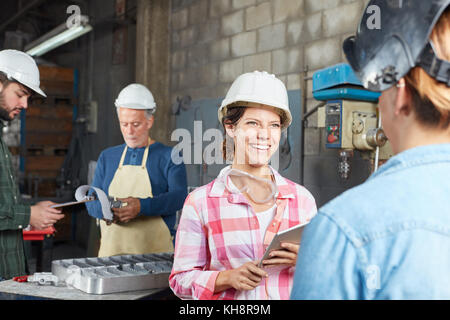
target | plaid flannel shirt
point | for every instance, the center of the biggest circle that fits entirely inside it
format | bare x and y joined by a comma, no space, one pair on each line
219,231
13,217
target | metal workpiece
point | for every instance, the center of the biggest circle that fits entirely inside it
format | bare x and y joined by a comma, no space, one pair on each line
82,194
115,274
44,278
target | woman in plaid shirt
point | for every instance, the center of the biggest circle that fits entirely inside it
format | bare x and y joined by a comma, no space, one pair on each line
224,228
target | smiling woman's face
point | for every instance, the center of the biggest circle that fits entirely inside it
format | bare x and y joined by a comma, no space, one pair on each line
256,136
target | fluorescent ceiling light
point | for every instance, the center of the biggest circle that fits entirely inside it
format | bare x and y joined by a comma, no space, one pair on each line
57,37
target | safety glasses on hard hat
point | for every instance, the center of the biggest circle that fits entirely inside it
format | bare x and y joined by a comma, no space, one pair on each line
259,190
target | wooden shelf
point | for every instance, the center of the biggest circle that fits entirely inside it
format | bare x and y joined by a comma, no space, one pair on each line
48,129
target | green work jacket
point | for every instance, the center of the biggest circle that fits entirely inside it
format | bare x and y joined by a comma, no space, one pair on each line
14,216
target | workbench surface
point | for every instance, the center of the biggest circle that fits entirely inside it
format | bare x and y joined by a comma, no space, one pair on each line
11,290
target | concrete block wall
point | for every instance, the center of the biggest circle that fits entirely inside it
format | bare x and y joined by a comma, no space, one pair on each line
225,38
214,41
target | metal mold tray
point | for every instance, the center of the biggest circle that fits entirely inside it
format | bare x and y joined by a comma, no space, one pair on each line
115,274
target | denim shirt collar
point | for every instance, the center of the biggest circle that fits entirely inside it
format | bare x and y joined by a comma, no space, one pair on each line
422,155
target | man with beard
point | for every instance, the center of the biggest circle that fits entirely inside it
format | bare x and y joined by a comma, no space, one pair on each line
19,79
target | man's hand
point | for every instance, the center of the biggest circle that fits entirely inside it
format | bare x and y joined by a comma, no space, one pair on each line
129,211
287,256
42,216
246,277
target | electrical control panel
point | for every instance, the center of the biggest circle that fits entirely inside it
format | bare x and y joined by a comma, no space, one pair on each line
352,125
340,117
333,121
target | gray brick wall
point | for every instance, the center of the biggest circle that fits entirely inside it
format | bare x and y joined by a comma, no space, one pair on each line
214,41
235,36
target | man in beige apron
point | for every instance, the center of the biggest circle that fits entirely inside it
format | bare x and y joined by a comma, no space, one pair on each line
132,232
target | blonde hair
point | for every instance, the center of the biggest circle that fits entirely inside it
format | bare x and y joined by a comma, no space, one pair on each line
431,98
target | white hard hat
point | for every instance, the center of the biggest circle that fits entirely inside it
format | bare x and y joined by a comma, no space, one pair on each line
21,67
135,96
258,87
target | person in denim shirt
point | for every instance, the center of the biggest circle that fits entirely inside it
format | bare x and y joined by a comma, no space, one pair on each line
389,238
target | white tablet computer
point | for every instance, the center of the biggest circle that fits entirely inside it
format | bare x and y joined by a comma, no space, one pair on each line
291,235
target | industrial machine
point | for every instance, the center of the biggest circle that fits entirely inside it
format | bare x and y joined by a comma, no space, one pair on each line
350,116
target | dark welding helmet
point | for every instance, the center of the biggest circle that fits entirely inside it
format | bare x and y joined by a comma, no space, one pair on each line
392,38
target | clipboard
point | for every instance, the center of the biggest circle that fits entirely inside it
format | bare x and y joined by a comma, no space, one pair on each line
71,203
291,235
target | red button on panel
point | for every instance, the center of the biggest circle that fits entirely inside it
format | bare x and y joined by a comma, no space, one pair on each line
332,138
